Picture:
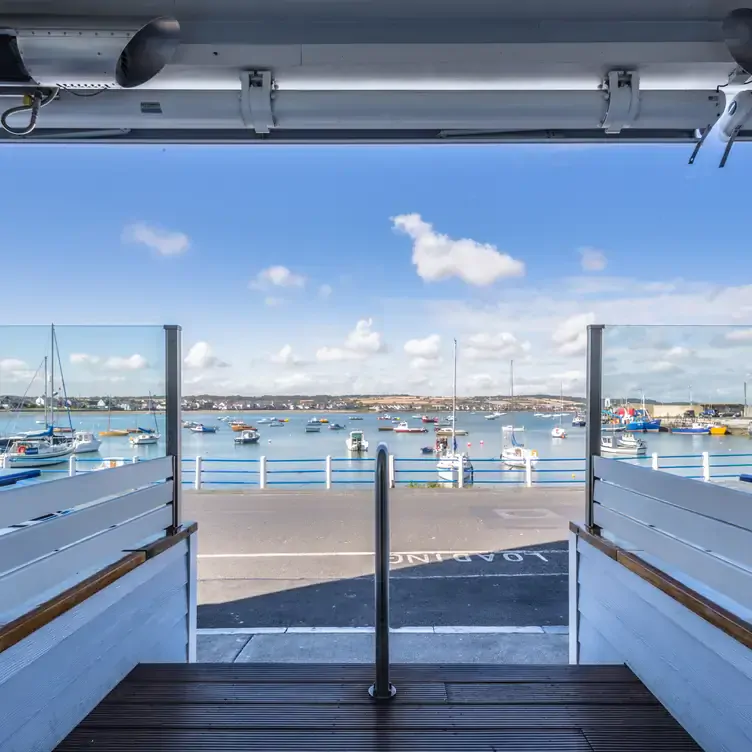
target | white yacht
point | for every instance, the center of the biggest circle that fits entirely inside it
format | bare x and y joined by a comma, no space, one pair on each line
36,453
514,454
626,446
144,438
558,432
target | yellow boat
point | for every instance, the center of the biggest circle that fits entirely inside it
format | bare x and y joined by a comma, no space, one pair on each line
241,427
114,432
718,430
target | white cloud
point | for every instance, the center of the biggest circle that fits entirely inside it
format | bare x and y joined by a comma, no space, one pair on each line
363,339
571,335
429,347
438,257
739,335
679,353
12,364
133,362
84,359
277,276
325,291
485,346
483,381
293,381
164,242
663,366
592,260
324,354
286,357
423,364
200,356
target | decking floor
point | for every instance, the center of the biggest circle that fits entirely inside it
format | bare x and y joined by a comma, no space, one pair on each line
242,707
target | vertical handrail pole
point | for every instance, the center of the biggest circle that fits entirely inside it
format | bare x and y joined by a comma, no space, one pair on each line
72,465
262,472
528,472
706,466
328,471
594,401
382,689
655,461
198,471
173,405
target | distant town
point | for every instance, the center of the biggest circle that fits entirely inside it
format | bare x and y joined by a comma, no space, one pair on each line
321,403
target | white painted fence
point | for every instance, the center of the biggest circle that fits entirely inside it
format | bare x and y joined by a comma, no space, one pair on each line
700,535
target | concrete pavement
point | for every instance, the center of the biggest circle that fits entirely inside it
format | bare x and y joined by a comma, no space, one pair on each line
461,557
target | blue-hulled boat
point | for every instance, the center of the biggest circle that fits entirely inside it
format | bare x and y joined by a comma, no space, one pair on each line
695,428
201,428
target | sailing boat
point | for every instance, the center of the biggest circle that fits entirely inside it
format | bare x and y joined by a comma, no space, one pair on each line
40,448
146,436
558,432
451,463
110,430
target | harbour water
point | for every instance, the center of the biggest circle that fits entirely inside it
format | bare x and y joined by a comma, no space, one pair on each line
296,457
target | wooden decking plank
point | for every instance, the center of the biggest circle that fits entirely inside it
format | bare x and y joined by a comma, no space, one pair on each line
674,739
571,693
183,740
350,672
268,692
312,716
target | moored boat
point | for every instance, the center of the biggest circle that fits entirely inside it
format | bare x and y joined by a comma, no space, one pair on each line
404,427
514,453
36,453
356,442
625,446
201,428
313,426
694,428
248,436
336,427
85,441
558,432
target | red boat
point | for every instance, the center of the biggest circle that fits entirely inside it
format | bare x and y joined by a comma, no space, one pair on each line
426,419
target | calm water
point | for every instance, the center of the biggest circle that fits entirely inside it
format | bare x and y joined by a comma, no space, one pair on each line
285,448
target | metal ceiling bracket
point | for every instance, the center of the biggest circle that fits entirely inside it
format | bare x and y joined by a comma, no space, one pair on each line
623,96
256,95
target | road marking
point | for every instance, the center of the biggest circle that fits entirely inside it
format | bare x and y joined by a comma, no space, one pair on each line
300,555
392,577
210,631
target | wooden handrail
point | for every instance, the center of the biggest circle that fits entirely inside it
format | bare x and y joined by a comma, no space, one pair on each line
726,621
28,623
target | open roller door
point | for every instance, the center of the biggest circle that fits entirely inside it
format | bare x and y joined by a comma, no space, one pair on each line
412,71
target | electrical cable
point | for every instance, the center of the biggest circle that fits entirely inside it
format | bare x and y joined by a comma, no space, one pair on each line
32,103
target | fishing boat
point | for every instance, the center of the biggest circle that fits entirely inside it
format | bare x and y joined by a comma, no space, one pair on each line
579,420
356,442
514,453
85,441
426,419
718,429
694,428
190,423
453,465
427,450
629,440
313,426
404,427
641,420
248,436
616,445
241,426
201,428
336,427
355,417
612,427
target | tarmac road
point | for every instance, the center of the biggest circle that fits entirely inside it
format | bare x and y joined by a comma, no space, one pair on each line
460,558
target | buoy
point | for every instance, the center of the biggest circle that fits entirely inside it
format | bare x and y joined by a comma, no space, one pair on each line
469,444
481,442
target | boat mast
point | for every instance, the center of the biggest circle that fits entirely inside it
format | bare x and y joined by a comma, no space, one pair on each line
454,401
511,384
45,392
52,375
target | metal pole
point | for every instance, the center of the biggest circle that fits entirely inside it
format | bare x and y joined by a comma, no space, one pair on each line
173,400
593,431
382,689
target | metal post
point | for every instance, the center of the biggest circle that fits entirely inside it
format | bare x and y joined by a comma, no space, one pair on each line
594,399
392,472
706,466
262,473
72,465
528,471
173,400
198,471
328,471
382,689
655,461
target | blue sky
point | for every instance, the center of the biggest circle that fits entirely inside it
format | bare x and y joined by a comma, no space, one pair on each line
512,250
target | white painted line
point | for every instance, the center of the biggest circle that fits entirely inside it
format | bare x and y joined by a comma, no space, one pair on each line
370,630
488,630
299,555
241,630
490,575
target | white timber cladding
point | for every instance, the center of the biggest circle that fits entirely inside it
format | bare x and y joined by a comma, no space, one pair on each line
700,674
33,583
27,503
26,544
54,677
703,531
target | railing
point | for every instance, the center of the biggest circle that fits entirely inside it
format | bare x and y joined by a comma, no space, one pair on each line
328,472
